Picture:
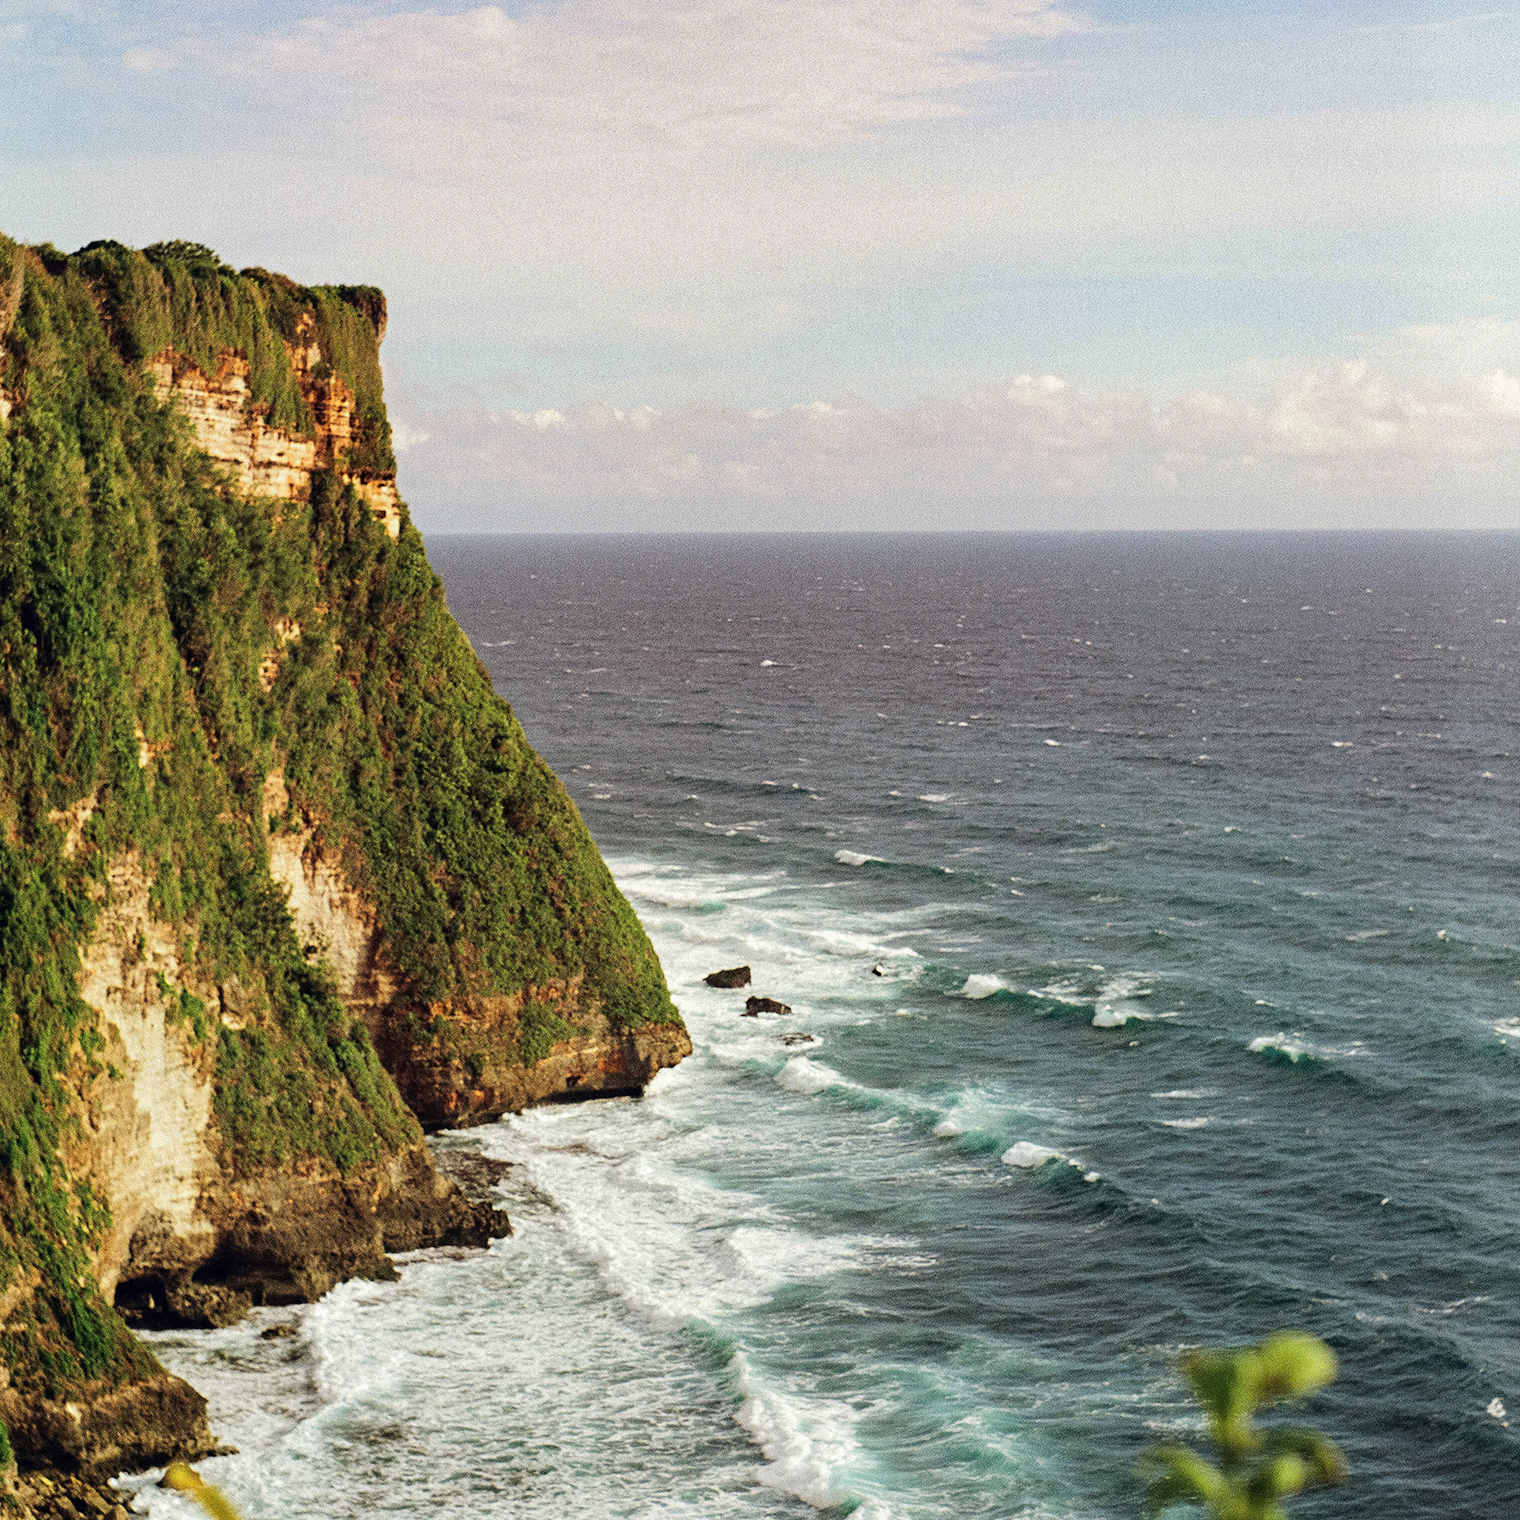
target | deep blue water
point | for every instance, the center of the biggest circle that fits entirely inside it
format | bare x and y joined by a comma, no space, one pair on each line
1151,903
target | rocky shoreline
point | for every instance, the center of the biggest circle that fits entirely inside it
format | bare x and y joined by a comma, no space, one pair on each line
56,1497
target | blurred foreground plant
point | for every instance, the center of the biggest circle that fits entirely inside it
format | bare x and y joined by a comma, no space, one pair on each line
182,1476
1255,1469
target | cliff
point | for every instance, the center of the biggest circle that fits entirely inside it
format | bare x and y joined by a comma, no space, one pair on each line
281,880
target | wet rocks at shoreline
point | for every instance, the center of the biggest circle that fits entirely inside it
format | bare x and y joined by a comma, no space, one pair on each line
755,1006
735,976
46,1495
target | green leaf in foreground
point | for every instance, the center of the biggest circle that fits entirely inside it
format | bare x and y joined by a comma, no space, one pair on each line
1254,1470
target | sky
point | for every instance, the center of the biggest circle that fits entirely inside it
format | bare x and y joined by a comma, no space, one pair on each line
818,264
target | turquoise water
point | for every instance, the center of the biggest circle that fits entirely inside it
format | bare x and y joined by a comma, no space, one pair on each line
1147,909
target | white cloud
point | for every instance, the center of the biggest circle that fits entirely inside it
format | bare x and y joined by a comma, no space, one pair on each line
709,73
404,439
148,60
1329,442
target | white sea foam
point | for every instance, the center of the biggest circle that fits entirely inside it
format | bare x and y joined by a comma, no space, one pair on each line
1187,1092
773,1256
852,858
981,985
842,942
1186,1123
1029,1155
678,895
1116,1015
1296,1046
934,797
949,1127
803,1441
801,1075
1060,992
1291,1046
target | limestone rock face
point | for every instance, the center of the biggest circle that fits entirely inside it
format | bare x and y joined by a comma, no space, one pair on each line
459,1062
463,1067
269,461
147,1117
190,1241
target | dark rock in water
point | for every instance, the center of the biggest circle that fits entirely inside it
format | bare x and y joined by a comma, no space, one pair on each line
758,1005
799,1039
276,1332
735,976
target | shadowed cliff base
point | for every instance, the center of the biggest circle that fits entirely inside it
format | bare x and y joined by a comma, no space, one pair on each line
280,875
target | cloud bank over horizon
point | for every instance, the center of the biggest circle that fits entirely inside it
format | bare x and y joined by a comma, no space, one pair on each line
1373,440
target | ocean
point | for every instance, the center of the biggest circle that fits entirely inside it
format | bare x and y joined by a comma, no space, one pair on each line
1147,908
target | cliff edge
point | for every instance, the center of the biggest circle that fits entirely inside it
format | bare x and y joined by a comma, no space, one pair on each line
281,880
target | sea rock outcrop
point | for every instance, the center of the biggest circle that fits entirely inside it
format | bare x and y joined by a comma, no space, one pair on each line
735,976
755,1006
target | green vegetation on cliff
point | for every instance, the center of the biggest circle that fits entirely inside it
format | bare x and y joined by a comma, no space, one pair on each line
180,295
140,596
483,872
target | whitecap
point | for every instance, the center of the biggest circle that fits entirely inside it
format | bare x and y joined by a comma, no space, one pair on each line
1187,1092
1186,1123
934,797
765,663
774,1257
982,986
851,858
1029,1155
803,1442
1294,1049
800,1075
631,868
1116,1015
1367,934
1059,992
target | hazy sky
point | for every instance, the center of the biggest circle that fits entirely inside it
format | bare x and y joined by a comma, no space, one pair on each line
859,263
